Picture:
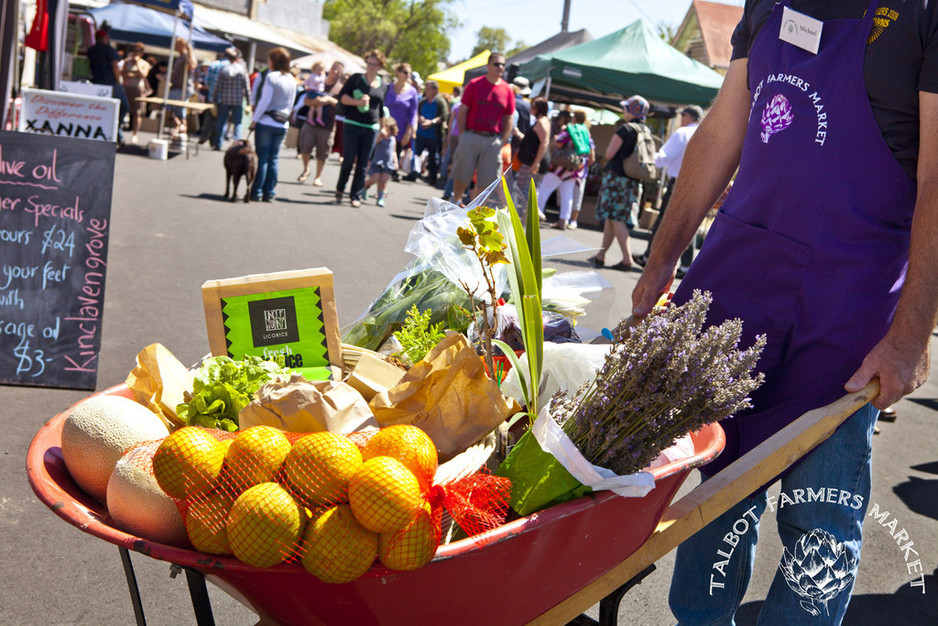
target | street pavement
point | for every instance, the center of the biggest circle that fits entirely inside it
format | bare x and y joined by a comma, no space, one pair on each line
171,230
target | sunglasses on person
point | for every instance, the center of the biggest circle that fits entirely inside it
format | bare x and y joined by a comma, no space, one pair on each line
498,64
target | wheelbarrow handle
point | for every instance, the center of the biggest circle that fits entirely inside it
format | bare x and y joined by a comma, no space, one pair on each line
717,495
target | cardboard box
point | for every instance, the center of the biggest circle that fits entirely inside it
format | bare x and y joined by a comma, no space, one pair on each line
647,219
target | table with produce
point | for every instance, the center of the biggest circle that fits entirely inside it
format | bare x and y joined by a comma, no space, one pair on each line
466,431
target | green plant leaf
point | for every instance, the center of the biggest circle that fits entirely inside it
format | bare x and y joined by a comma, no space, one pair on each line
533,234
513,359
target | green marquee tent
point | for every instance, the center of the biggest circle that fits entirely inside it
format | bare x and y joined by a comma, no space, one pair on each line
634,60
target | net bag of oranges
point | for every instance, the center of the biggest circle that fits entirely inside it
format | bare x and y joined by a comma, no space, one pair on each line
333,503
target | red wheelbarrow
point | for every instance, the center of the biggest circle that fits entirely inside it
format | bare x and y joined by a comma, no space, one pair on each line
547,567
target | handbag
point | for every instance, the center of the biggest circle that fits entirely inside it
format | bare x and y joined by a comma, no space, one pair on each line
281,117
567,158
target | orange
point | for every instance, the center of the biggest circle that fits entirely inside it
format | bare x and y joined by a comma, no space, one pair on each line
409,445
336,548
318,468
384,495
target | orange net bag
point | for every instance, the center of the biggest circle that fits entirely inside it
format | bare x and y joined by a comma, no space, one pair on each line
333,503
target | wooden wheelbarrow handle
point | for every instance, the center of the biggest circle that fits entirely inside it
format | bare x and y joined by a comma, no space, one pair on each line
714,497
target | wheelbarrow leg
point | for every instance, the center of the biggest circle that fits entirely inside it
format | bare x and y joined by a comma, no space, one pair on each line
132,586
609,606
201,603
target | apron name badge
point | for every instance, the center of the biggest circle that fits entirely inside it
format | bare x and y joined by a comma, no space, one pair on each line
800,30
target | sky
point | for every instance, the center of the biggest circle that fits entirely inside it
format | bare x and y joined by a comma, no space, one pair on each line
533,21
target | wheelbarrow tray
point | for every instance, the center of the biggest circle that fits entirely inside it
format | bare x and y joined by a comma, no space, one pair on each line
513,573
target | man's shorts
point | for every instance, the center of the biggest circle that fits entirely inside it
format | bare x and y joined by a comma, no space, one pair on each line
315,137
477,152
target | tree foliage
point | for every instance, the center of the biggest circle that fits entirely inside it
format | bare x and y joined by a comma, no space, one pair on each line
411,31
496,40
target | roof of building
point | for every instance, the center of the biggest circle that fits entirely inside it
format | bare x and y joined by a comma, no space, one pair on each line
716,22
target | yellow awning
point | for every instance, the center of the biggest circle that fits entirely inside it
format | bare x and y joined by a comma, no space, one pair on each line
454,76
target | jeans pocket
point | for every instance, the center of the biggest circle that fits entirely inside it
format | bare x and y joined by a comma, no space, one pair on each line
753,274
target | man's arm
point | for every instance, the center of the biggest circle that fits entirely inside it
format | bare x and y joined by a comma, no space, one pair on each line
900,359
461,118
507,127
711,158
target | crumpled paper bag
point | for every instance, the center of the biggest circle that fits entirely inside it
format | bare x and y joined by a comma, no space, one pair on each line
159,381
302,406
448,396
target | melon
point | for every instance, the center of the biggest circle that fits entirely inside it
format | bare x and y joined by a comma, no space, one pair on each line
97,433
136,502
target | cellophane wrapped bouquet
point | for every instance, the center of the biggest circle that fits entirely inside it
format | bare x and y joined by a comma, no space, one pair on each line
662,378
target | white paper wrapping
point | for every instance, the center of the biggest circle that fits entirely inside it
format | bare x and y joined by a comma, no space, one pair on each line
553,440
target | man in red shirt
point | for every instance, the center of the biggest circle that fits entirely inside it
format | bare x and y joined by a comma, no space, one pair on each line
488,104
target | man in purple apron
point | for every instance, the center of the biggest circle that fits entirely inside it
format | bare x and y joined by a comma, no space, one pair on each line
828,245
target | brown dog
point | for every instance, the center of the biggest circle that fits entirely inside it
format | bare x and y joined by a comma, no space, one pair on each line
240,160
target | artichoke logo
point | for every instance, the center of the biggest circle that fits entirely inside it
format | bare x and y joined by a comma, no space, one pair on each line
819,570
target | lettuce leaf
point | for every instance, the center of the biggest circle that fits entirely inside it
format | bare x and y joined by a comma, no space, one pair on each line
222,387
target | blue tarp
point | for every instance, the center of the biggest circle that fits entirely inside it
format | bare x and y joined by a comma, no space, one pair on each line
131,22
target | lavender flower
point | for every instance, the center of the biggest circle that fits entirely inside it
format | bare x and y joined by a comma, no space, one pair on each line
660,380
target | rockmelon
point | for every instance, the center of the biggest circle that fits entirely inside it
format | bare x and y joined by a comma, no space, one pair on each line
137,503
98,432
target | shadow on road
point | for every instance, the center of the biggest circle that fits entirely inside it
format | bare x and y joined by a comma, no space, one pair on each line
413,218
920,495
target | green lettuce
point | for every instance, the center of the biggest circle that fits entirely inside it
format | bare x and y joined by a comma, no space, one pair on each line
222,387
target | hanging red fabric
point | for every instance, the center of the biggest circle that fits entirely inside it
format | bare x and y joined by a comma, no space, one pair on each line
38,37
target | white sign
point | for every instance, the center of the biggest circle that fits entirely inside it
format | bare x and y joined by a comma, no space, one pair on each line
86,89
69,115
801,30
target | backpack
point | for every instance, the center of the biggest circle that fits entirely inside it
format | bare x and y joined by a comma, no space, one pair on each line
640,165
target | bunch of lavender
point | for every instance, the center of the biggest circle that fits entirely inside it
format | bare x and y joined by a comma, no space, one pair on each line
661,379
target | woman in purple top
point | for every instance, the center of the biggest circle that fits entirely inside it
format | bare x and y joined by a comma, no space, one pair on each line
401,102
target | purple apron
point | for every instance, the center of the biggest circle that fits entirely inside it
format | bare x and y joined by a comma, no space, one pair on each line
811,246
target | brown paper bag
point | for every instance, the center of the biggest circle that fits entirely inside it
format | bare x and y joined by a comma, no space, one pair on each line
301,406
448,396
159,382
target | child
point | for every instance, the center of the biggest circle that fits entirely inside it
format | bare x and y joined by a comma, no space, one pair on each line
383,159
315,86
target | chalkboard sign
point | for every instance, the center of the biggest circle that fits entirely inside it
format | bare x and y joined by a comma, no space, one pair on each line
55,209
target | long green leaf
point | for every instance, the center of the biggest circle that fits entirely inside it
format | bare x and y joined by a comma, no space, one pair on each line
533,233
525,285
513,359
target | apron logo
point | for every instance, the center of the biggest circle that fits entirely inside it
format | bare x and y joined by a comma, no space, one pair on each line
819,570
776,117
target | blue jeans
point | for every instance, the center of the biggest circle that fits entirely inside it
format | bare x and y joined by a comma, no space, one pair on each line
357,142
267,141
236,111
829,490
432,146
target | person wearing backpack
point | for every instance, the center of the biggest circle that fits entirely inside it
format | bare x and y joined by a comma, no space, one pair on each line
570,159
619,194
670,157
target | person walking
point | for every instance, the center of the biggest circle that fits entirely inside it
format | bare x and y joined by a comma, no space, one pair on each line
231,93
484,120
827,245
401,100
432,113
533,146
134,72
620,195
383,160
363,95
318,134
574,150
275,91
670,157
104,65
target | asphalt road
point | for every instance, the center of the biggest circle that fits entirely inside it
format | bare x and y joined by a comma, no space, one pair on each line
171,230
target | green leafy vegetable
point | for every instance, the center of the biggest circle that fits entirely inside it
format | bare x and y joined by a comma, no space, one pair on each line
418,336
222,387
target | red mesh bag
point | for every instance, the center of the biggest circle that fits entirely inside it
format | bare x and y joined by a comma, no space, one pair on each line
333,503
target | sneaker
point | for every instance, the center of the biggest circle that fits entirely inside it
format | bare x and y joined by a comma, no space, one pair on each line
571,226
364,195
380,202
356,203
